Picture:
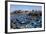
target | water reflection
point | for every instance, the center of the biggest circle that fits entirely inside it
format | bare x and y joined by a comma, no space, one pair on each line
19,21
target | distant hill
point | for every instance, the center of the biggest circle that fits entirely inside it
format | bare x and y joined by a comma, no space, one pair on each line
33,13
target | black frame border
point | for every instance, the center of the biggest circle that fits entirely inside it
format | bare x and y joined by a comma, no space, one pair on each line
6,30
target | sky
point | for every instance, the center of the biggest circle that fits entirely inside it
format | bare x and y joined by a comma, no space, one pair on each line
24,7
